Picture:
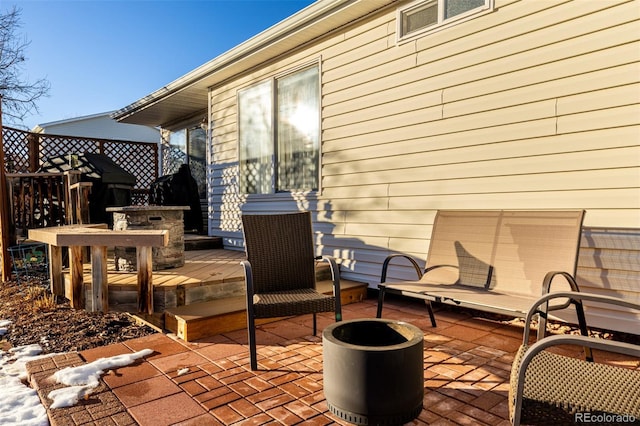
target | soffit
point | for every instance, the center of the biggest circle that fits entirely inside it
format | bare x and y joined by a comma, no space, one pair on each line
187,96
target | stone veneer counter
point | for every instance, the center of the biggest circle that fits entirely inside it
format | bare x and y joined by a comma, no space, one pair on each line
151,217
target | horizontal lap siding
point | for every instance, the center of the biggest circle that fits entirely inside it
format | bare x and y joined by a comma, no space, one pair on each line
225,201
534,105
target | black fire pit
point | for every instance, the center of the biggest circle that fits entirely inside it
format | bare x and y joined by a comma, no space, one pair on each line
373,371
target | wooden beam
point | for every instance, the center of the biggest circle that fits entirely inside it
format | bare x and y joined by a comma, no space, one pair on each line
5,266
99,281
145,280
56,278
77,278
82,235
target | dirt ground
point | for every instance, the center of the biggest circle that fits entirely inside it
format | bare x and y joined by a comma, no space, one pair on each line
37,317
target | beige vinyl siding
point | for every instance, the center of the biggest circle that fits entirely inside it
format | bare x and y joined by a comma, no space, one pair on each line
534,105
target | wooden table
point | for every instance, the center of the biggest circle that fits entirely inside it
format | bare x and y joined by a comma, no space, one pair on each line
98,238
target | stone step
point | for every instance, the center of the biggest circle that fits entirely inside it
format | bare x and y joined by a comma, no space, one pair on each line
206,319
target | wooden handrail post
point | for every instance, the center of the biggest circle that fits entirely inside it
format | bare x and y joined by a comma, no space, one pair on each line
145,279
77,277
34,152
5,267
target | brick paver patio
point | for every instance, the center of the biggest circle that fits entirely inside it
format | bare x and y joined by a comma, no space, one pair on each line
467,361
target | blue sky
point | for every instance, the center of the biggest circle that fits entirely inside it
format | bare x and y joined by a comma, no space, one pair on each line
102,55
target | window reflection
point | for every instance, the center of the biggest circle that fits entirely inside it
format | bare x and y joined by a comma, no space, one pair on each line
187,146
279,141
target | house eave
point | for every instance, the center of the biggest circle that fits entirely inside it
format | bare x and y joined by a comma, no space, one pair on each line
187,95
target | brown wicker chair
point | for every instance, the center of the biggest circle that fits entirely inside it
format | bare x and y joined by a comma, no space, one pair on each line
280,271
549,388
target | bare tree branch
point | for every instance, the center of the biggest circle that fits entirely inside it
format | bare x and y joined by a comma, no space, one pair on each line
19,97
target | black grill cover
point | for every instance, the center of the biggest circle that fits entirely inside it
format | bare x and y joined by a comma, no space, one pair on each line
111,183
179,189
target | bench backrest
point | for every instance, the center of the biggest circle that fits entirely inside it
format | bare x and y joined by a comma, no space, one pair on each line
503,250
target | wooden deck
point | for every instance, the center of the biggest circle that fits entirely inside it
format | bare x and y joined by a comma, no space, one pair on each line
200,267
206,275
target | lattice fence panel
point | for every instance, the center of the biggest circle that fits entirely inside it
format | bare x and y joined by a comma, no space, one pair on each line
16,151
140,197
138,158
53,146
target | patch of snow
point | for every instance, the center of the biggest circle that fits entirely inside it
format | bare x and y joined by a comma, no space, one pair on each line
84,379
21,405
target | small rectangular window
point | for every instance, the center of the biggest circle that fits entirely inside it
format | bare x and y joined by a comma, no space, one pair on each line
457,7
422,16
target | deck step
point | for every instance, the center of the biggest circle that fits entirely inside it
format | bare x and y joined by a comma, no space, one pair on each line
206,319
201,242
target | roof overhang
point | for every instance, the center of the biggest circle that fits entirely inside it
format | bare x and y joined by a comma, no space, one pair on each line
186,97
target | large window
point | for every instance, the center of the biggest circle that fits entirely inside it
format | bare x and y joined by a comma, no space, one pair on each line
279,134
423,16
256,139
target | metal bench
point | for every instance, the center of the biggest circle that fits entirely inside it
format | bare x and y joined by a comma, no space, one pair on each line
498,261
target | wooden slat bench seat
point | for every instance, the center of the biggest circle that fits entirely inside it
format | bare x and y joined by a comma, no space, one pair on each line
498,261
98,238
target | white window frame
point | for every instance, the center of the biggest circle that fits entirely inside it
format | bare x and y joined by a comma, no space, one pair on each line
442,22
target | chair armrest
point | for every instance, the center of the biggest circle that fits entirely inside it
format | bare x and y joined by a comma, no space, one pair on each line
548,279
335,273
546,288
574,297
385,266
248,276
335,277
